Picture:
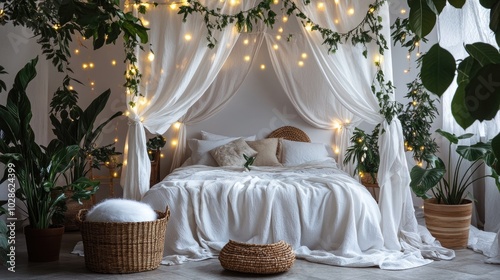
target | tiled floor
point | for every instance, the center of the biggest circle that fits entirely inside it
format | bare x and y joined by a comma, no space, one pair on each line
467,265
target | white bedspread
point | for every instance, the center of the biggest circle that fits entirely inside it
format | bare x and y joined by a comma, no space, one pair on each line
322,212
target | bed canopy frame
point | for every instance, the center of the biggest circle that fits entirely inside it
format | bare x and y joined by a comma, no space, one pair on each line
189,82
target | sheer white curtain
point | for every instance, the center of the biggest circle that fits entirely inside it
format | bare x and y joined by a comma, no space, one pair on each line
350,76
183,69
300,76
473,22
227,83
456,28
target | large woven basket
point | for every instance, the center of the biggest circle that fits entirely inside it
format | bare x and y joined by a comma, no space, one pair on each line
123,247
259,259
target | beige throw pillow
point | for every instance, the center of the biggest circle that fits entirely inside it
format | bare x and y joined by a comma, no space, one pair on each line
266,152
231,154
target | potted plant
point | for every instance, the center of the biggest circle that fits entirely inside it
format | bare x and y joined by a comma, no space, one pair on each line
364,153
37,170
154,146
448,212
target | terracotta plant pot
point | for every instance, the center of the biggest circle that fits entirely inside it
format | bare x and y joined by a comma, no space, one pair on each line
43,244
449,223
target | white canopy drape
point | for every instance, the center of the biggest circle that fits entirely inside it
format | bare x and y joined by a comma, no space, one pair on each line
227,83
346,77
181,72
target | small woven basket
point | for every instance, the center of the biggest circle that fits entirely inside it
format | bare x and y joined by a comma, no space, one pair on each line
259,259
123,247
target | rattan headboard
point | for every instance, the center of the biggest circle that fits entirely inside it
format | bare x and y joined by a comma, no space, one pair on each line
290,133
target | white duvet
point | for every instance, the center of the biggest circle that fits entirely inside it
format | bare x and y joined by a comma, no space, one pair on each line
322,212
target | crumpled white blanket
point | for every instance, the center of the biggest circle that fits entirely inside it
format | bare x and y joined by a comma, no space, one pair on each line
321,211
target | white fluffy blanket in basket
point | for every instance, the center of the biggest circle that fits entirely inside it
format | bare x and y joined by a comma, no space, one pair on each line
121,211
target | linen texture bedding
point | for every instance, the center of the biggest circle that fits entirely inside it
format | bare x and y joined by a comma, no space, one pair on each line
320,210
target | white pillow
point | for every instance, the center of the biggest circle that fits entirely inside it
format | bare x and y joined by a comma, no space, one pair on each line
296,153
210,136
200,150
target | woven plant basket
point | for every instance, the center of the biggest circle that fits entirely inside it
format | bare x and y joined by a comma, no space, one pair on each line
123,247
259,259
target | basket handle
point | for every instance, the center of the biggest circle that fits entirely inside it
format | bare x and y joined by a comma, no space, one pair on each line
167,213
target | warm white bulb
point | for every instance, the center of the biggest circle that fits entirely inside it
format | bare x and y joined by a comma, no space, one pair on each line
188,37
151,56
285,18
336,2
113,62
321,5
403,11
92,83
336,21
145,22
276,2
301,63
245,42
85,66
262,66
280,30
350,11
174,143
275,47
91,65
116,140
278,37
70,87
247,58
304,55
173,6
77,51
177,125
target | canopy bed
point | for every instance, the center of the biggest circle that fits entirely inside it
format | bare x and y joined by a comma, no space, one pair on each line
328,217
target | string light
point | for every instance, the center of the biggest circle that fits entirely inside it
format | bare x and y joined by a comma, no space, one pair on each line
309,27
336,2
275,47
92,83
262,66
188,37
245,42
151,56
113,62
285,19
116,140
77,51
173,6
278,37
350,11
162,155
422,148
174,143
276,2
247,58
337,150
403,11
234,2
303,55
406,71
300,63
321,5
280,30
145,22
91,65
336,21
85,66
177,125
70,87
414,103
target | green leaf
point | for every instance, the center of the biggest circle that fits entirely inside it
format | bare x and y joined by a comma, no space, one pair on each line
422,180
457,3
451,137
473,152
488,4
422,18
438,69
459,110
467,69
483,53
436,6
482,94
495,17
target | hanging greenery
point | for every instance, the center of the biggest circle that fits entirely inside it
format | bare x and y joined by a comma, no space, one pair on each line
54,23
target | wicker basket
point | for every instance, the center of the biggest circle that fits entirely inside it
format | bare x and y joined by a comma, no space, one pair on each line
259,259
123,247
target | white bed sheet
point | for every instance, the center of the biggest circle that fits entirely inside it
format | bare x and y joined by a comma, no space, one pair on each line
322,212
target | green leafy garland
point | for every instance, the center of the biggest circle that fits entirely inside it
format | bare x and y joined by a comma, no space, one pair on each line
55,22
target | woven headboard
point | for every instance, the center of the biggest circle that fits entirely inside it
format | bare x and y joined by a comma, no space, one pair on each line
290,133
